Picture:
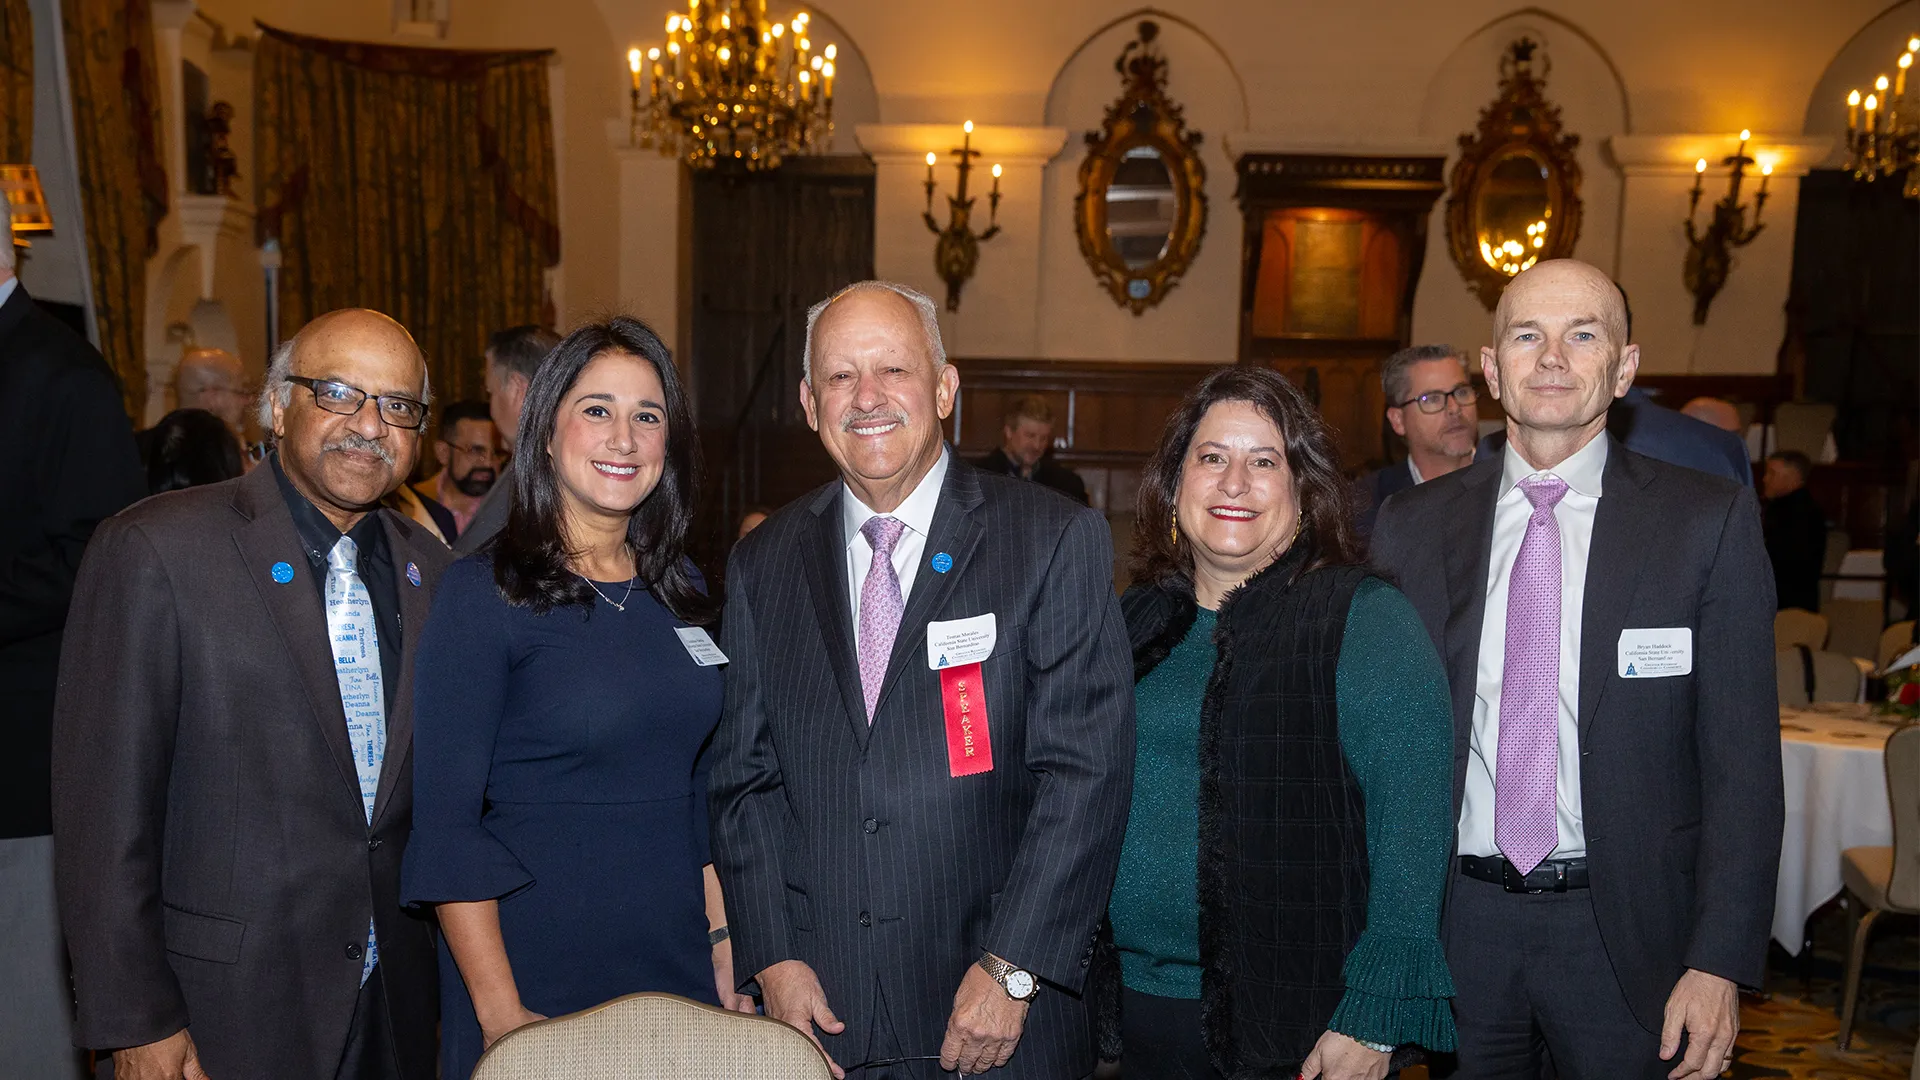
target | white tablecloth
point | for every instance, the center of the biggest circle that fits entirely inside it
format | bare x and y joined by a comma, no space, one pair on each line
1833,756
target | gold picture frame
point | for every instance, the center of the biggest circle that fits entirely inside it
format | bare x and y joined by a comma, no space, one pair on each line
1514,196
1142,180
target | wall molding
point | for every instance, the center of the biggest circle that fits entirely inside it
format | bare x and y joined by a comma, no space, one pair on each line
891,144
1674,155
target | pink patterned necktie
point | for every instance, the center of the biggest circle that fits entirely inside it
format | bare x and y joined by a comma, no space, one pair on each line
1525,824
881,606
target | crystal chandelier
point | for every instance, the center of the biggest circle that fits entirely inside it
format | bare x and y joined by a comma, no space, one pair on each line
1888,142
728,87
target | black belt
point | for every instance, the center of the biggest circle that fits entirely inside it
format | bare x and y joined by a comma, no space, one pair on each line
1554,875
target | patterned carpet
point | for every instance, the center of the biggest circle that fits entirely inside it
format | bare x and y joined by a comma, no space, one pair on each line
1791,1031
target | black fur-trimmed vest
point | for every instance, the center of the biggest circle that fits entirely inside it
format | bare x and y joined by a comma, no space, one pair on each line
1283,853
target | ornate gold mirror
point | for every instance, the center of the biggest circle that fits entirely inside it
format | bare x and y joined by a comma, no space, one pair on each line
1514,197
1142,207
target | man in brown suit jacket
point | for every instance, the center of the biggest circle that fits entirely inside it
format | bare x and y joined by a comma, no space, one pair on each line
228,834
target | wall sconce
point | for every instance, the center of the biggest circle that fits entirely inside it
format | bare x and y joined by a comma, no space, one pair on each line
1710,255
957,252
25,200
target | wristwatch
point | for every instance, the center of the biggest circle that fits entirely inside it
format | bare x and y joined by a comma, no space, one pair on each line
1019,985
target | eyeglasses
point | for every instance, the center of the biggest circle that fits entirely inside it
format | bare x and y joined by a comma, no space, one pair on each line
1434,401
338,397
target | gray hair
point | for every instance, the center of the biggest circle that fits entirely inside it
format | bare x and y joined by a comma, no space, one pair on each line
1394,379
278,388
922,304
6,234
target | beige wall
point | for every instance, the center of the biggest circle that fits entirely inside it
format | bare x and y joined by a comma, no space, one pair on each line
1647,84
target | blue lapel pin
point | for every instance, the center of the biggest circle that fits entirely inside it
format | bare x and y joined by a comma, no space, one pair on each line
413,575
282,572
943,562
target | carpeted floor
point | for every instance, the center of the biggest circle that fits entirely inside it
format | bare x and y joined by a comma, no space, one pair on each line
1791,1031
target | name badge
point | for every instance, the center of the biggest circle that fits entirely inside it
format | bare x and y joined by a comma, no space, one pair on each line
700,646
1656,654
959,641
964,700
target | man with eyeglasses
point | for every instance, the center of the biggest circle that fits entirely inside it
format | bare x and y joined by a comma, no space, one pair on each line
1430,404
232,783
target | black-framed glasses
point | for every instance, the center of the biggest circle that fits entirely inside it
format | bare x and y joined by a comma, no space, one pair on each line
338,397
1434,401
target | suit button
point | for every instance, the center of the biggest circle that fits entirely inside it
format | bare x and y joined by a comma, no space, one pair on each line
374,843
1085,962
871,826
355,952
866,919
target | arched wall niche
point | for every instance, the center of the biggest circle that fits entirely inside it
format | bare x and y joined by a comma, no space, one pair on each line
1079,319
1584,82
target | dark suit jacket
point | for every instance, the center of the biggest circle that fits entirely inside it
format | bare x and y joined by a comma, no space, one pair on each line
488,518
1371,492
1048,473
213,858
1680,776
1796,533
852,847
69,463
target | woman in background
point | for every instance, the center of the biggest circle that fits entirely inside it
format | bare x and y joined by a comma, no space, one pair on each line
188,448
560,794
1294,755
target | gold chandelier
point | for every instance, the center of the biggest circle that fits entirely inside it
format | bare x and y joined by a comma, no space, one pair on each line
728,87
1889,141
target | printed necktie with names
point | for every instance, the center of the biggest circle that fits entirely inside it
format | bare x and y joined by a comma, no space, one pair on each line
356,664
1526,825
881,606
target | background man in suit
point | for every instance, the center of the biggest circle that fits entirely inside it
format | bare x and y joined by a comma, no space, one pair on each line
1026,437
1607,624
1430,403
921,776
513,355
67,463
232,781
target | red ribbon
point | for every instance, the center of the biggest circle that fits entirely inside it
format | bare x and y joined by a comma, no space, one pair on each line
964,698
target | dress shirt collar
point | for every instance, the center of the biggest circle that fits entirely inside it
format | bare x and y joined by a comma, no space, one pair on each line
1581,471
6,289
916,511
1414,471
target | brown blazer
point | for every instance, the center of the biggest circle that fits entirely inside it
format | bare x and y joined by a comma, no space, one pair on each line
213,858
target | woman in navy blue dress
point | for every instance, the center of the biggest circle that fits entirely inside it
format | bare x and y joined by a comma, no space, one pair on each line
560,712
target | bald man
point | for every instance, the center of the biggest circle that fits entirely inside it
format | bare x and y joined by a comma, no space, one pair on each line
212,379
232,789
1606,619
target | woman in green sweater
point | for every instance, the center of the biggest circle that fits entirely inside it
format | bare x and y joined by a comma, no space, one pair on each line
1278,903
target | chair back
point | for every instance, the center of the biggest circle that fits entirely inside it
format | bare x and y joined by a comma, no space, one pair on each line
654,1037
1903,786
1894,640
1803,426
1837,678
1798,626
1853,626
1791,677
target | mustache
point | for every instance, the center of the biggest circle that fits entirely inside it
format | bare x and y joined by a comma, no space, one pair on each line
353,440
868,419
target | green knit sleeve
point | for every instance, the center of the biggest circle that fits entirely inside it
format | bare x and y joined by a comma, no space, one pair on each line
1396,728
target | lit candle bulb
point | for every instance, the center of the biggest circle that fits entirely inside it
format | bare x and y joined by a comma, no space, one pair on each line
996,178
1913,44
831,51
931,158
1765,172
826,79
1699,171
1873,118
1853,112
1900,77
633,65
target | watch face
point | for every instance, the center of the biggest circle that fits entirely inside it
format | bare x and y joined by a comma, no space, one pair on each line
1019,984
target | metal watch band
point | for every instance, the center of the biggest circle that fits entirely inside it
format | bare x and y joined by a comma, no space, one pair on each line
715,937
999,969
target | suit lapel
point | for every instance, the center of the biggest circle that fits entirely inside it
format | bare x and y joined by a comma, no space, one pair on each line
1620,525
955,532
1466,562
824,561
269,538
414,602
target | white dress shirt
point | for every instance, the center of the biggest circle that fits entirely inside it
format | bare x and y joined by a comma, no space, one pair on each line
917,514
1574,515
7,287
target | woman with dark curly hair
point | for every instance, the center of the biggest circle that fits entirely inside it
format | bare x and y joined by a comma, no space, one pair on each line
563,694
1293,759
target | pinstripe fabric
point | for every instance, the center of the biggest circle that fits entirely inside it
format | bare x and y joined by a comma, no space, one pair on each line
852,848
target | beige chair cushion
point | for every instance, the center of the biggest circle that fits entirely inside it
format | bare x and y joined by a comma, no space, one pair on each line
654,1037
1866,872
1798,626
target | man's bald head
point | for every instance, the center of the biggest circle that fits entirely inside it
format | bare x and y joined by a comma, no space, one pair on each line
1567,280
212,379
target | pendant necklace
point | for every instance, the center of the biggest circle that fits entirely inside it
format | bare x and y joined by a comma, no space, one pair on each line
621,604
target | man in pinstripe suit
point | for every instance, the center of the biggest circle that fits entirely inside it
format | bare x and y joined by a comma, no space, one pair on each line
920,781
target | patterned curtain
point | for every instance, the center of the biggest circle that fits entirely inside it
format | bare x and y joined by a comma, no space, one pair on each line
16,83
417,182
123,187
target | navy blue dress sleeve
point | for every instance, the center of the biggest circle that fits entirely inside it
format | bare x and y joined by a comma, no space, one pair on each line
459,696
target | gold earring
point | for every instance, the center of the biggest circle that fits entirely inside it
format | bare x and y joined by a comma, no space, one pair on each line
1173,533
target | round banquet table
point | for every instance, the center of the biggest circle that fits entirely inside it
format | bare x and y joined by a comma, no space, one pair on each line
1833,757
